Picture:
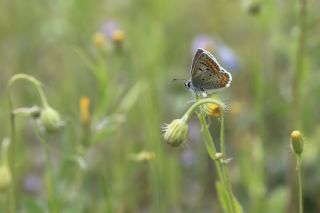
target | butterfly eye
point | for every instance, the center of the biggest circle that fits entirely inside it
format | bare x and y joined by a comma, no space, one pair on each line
187,84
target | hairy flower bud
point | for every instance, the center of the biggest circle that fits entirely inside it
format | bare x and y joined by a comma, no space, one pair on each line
176,132
5,178
50,119
212,109
297,142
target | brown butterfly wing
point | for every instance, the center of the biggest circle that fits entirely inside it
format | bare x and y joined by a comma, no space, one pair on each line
207,74
195,57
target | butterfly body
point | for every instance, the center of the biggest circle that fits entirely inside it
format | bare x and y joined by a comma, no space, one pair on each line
207,76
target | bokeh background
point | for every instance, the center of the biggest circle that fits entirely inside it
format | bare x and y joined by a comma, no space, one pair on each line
107,68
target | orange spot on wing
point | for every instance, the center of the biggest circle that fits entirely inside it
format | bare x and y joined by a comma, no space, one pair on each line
224,80
214,67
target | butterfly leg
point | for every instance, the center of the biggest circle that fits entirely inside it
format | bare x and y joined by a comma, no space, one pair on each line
204,95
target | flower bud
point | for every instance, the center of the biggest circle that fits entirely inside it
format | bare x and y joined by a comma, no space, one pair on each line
219,155
50,119
5,178
297,142
212,109
142,156
99,40
85,111
117,36
176,132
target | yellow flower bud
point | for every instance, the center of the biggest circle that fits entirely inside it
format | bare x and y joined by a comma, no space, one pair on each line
117,36
212,110
297,142
99,40
142,156
176,132
5,178
85,110
50,119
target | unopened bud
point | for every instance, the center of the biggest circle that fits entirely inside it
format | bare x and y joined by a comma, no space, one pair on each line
50,119
176,132
297,142
5,178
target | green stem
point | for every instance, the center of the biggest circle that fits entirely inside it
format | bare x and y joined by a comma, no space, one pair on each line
38,85
224,166
300,192
200,102
11,191
211,149
34,81
48,176
300,55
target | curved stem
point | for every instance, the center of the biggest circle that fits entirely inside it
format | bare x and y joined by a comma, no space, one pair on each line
200,102
38,85
32,80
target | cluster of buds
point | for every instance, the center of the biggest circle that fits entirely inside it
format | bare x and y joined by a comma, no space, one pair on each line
177,131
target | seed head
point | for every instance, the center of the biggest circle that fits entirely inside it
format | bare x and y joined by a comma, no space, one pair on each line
176,132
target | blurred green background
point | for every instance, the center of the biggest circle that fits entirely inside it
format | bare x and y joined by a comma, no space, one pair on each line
122,56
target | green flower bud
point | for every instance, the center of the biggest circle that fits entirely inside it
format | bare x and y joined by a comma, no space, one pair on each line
5,178
50,119
297,142
176,132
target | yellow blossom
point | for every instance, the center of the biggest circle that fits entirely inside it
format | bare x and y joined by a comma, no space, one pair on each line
85,110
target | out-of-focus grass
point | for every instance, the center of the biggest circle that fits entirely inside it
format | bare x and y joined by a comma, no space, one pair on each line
53,41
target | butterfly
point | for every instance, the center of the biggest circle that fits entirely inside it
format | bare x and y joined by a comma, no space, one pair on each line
207,76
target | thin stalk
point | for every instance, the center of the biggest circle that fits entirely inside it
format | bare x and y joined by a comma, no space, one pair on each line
200,102
38,85
211,149
300,58
300,192
11,191
224,166
53,208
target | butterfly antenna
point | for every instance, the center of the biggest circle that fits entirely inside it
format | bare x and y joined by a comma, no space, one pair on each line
178,79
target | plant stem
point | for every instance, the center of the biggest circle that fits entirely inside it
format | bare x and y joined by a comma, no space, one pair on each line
211,149
222,172
34,81
300,55
200,102
38,85
48,176
11,192
300,193
224,165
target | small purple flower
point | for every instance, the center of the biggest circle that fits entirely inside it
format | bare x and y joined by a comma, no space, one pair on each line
203,41
111,30
32,183
227,57
224,54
